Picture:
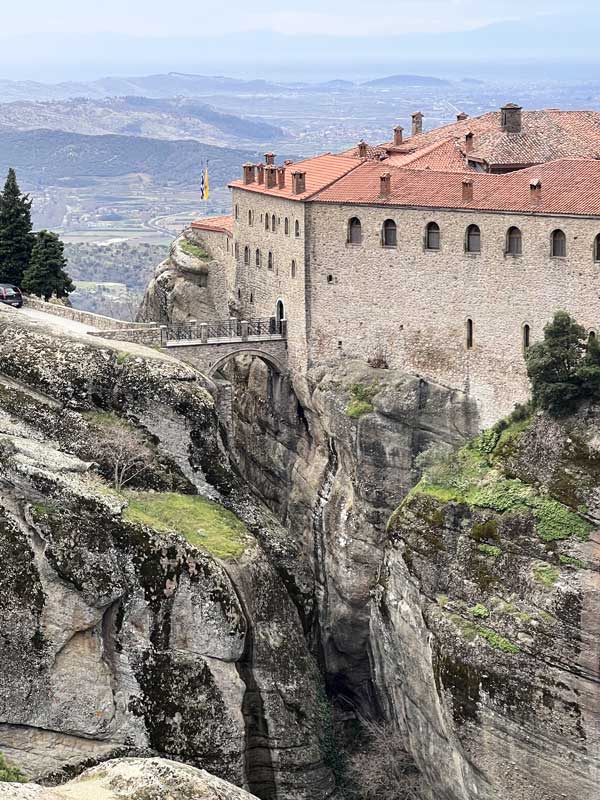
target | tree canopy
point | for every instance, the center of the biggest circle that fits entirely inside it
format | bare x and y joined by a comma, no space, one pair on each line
16,238
46,273
565,367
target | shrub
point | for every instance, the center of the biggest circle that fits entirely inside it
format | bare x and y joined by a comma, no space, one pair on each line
9,773
361,397
479,610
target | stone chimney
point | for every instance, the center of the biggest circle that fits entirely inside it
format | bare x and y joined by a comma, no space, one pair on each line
467,190
281,177
469,136
385,184
269,158
461,117
260,173
535,191
298,182
510,118
270,176
288,161
362,149
417,123
249,173
398,130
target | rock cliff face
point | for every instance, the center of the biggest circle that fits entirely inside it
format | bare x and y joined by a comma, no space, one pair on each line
118,636
486,628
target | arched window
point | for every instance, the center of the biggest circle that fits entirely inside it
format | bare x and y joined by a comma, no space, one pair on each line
597,248
389,238
266,222
297,229
246,255
250,217
273,223
473,239
286,226
293,268
558,244
280,314
526,336
432,236
514,242
354,231
469,334
591,336
270,260
258,258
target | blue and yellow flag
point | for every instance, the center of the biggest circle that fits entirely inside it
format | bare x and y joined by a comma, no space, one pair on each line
204,186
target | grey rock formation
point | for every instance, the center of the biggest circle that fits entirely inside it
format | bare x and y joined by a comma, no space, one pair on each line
115,637
128,778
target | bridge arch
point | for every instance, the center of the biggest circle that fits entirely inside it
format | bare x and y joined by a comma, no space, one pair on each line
269,360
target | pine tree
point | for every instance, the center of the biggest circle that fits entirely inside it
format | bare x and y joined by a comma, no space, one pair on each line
16,238
46,273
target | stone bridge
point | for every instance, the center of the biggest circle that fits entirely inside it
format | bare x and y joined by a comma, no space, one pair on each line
208,346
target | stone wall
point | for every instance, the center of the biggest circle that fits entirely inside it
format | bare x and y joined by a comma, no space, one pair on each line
220,275
413,304
86,317
147,336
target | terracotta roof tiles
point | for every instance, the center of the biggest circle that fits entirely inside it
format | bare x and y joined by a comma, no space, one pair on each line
216,224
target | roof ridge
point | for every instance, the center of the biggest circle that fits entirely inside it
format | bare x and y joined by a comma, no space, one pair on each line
335,180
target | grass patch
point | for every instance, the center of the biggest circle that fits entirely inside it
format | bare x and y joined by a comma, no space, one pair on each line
204,524
442,600
546,574
194,250
361,399
479,610
489,550
495,640
570,561
9,773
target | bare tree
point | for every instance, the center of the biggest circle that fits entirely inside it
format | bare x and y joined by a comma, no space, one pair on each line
383,770
126,457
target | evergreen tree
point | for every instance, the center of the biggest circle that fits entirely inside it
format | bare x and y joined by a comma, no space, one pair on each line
16,238
46,273
565,367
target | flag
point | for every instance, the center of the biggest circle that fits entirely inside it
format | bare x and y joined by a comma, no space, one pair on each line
202,185
205,184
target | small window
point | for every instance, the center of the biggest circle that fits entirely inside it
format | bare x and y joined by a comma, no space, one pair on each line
258,258
251,297
270,260
273,223
597,248
250,217
286,226
246,255
389,238
330,278
526,336
354,231
267,222
558,245
592,336
514,242
432,236
297,229
469,334
237,250
239,294
293,268
237,211
227,245
473,239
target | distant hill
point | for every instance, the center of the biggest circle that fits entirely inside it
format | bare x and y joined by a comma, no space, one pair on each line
393,81
55,158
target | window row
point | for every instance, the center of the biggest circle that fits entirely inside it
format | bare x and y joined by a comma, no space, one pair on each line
271,222
432,238
525,335
258,259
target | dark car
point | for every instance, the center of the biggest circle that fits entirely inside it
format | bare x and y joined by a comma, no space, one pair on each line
11,295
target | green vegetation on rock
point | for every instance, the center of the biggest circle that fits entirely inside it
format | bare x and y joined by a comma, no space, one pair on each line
479,610
546,574
9,773
489,550
361,399
572,562
495,640
204,524
195,250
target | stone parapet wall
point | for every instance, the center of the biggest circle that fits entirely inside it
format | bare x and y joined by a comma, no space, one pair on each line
85,317
146,336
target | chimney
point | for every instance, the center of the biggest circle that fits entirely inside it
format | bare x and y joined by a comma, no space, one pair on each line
288,161
385,184
249,173
510,118
398,135
362,149
270,176
281,177
461,117
417,123
298,182
260,173
469,142
467,190
269,158
535,191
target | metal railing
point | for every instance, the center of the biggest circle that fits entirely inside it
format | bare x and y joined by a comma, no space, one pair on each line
210,332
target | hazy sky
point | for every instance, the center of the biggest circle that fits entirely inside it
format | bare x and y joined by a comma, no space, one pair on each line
192,17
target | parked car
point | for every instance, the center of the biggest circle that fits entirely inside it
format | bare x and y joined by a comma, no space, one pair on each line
11,295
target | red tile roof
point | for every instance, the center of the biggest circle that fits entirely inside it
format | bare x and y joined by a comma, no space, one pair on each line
569,186
320,172
216,224
446,155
